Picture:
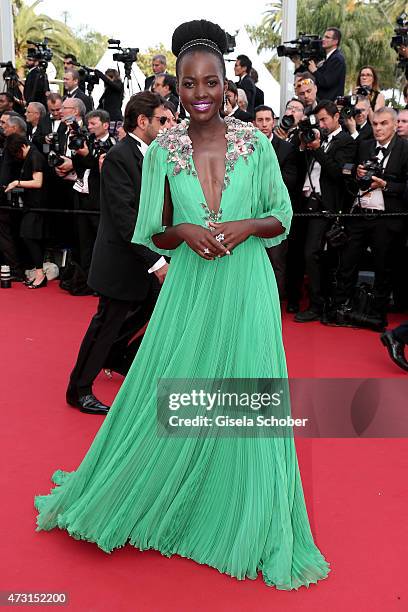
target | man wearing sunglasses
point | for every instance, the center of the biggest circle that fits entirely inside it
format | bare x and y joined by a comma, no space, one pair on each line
126,276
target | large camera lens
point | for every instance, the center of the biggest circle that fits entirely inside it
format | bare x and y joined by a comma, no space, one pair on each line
287,122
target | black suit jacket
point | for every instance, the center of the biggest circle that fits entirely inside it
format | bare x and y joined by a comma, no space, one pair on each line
247,84
87,100
259,97
242,115
149,82
286,154
395,172
36,140
119,268
342,150
35,86
331,77
366,133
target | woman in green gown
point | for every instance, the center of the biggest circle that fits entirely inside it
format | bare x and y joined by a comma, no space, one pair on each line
212,198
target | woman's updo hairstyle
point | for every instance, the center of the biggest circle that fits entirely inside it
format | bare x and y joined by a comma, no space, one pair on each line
199,35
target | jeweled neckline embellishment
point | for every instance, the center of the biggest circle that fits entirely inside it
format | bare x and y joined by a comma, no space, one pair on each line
241,138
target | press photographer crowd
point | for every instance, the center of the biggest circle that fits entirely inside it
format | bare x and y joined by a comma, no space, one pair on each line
343,158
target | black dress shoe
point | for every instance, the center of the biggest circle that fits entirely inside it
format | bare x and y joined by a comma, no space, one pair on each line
292,307
395,349
306,316
87,403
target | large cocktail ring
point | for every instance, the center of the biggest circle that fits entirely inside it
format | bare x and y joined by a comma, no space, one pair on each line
206,251
220,237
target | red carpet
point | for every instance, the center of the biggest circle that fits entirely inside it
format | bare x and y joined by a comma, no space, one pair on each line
356,490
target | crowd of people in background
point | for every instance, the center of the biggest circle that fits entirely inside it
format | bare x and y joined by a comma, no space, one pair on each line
324,142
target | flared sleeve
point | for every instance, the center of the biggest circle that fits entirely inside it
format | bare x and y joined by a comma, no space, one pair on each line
150,216
273,199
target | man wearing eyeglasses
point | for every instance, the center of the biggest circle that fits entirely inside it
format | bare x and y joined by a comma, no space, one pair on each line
331,74
127,276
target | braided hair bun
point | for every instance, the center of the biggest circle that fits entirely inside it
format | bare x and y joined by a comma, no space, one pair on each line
198,29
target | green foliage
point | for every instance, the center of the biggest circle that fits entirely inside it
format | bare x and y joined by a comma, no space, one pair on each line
366,27
91,46
144,60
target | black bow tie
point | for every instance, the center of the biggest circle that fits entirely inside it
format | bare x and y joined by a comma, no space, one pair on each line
382,150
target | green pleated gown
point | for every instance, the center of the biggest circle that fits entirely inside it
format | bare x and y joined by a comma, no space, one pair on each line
233,503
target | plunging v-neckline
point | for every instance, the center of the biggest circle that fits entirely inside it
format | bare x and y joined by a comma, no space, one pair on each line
215,213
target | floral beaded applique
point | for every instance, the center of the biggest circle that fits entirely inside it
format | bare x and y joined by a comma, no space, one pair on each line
241,138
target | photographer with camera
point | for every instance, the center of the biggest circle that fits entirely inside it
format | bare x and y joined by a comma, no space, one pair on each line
112,98
29,186
382,173
10,123
86,165
355,119
326,148
367,85
287,127
71,86
330,76
36,86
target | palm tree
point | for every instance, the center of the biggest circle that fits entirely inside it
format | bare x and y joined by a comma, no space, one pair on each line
28,25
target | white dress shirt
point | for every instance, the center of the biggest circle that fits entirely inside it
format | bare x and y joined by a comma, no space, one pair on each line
313,177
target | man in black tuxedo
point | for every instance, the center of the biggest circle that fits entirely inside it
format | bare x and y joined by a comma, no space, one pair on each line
166,86
286,154
36,85
86,165
323,189
382,234
231,104
35,113
259,94
242,69
126,275
331,74
359,126
71,86
159,66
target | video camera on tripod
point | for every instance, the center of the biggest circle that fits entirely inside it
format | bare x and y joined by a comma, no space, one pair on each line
400,39
88,76
127,56
308,47
40,52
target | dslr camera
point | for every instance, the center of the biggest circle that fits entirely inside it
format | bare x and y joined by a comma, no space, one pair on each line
308,47
287,122
15,197
373,168
78,137
307,129
53,150
400,39
348,106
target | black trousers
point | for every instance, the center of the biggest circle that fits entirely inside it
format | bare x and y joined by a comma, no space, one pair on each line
295,269
114,321
277,256
382,235
87,227
8,245
315,239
